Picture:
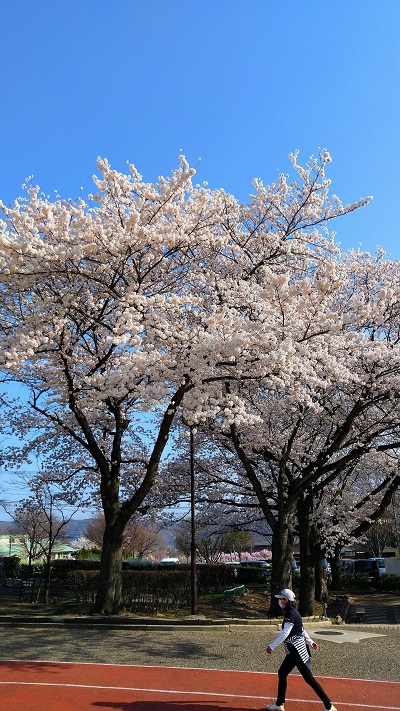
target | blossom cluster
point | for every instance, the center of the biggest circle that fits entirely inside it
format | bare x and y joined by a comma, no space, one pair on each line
171,298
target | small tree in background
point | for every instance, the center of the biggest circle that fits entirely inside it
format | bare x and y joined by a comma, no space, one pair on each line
210,546
379,536
183,538
140,538
32,522
238,542
42,517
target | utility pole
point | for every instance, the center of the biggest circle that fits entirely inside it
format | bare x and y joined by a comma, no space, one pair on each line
193,574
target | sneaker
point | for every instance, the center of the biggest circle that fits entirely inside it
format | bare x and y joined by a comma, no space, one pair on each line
275,707
332,708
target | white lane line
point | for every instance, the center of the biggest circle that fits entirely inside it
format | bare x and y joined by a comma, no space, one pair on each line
198,669
187,693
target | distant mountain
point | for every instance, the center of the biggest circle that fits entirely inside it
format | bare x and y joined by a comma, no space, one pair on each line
8,527
73,530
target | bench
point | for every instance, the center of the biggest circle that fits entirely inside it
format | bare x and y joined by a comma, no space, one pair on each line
233,592
359,614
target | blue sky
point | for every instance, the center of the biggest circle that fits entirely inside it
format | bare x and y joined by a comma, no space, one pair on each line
238,83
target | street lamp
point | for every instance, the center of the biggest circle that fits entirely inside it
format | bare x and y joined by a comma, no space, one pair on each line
193,575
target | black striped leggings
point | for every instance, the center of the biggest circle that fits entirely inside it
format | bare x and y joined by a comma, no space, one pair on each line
291,661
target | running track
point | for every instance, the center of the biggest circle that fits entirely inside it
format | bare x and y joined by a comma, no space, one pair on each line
55,686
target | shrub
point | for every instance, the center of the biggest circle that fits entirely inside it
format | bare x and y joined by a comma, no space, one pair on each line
358,581
155,590
215,577
84,583
89,554
252,575
11,567
138,563
35,570
389,582
61,568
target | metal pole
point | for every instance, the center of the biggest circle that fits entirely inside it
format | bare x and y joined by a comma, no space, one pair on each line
193,577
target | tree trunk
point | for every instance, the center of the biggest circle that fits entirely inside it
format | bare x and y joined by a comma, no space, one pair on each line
282,552
29,571
321,584
321,575
307,566
109,593
47,573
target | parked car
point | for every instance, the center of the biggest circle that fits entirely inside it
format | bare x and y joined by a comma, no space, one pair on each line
362,566
258,570
170,561
381,565
255,563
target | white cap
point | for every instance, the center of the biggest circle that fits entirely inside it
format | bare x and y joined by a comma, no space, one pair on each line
286,594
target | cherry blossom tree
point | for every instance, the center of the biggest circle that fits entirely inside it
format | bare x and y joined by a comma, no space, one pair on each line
148,296
300,439
342,511
357,501
100,321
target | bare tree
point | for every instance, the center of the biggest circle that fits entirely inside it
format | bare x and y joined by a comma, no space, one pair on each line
140,538
183,538
238,542
42,517
210,546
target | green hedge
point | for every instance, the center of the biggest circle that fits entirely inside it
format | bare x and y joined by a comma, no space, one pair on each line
142,590
156,589
389,582
214,578
252,575
358,581
84,583
61,568
11,567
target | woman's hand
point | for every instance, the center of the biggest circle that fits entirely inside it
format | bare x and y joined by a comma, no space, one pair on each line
314,645
269,650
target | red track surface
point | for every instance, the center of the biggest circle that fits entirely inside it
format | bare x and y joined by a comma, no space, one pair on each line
54,686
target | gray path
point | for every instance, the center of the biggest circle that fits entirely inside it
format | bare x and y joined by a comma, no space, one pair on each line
241,648
365,651
379,609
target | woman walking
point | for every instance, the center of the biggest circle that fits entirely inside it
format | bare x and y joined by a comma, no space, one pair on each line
295,639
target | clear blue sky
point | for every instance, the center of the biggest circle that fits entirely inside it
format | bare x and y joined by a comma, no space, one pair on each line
239,83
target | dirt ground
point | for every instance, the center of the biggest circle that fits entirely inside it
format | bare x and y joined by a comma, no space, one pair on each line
253,604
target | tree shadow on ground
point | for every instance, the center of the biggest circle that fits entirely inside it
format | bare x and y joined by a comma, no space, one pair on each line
167,706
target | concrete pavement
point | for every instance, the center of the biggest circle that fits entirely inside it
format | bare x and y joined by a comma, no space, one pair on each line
365,651
378,609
